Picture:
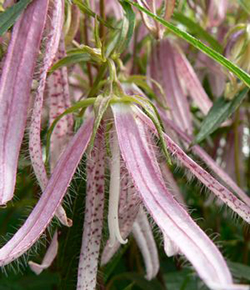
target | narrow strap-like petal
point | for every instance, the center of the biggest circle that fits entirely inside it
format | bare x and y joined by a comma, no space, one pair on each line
15,88
162,68
171,183
51,48
167,213
48,258
93,220
51,198
59,101
221,174
191,82
208,180
144,238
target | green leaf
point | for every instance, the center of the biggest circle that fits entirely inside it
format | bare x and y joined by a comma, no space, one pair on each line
195,28
9,17
240,271
242,75
245,4
221,110
120,40
130,16
69,60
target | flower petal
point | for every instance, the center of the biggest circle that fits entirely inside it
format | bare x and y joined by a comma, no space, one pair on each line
211,183
209,162
168,214
93,220
15,88
51,48
35,149
48,258
59,101
46,207
163,69
144,238
191,81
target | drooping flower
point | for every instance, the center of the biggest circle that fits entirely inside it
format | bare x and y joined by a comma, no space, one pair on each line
117,135
134,146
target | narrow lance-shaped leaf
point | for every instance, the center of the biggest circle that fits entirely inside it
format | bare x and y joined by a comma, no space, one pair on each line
196,29
242,75
173,220
211,183
130,16
51,198
15,88
221,111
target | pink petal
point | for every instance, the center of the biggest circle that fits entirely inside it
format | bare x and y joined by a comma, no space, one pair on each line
217,12
51,198
222,175
211,183
191,81
93,220
163,69
36,155
144,238
167,213
171,183
59,101
48,258
35,127
170,247
15,88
